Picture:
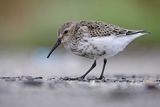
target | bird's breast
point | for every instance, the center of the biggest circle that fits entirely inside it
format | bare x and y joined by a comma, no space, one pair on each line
86,48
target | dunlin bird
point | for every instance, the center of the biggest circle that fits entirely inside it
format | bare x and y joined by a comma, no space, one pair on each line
95,39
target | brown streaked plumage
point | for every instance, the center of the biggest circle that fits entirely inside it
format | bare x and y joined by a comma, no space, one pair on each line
102,29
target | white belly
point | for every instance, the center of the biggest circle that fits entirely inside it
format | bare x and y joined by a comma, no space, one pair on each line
112,44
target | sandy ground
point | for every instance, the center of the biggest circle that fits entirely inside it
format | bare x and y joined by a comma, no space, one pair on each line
114,91
28,79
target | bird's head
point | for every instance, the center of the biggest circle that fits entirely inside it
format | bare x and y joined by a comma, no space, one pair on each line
65,34
66,31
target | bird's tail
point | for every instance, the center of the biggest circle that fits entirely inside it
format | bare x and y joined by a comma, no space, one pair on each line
132,32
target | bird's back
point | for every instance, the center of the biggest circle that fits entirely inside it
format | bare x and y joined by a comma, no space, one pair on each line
100,29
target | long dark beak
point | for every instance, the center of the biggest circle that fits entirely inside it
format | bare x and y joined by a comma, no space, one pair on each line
54,47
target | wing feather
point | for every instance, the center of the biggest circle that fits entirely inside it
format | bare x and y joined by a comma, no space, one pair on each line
100,29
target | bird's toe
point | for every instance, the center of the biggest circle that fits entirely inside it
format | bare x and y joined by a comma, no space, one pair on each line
72,79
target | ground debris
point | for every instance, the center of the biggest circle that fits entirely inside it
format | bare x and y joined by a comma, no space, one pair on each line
113,89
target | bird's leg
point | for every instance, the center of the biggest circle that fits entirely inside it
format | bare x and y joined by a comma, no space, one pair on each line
83,76
93,65
104,65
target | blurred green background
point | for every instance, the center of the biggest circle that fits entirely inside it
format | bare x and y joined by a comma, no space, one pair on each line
34,23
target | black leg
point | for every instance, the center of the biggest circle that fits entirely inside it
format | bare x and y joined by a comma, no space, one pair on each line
93,65
83,76
101,76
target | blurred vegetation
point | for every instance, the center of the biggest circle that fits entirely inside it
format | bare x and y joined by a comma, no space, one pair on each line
35,22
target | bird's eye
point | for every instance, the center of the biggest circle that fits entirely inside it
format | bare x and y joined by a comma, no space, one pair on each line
66,31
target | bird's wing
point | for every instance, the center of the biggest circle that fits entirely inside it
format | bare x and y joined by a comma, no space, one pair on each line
101,29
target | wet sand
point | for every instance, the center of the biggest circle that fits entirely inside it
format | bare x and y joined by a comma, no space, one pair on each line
113,91
28,79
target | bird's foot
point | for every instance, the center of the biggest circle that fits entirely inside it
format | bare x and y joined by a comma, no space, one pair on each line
72,79
102,78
